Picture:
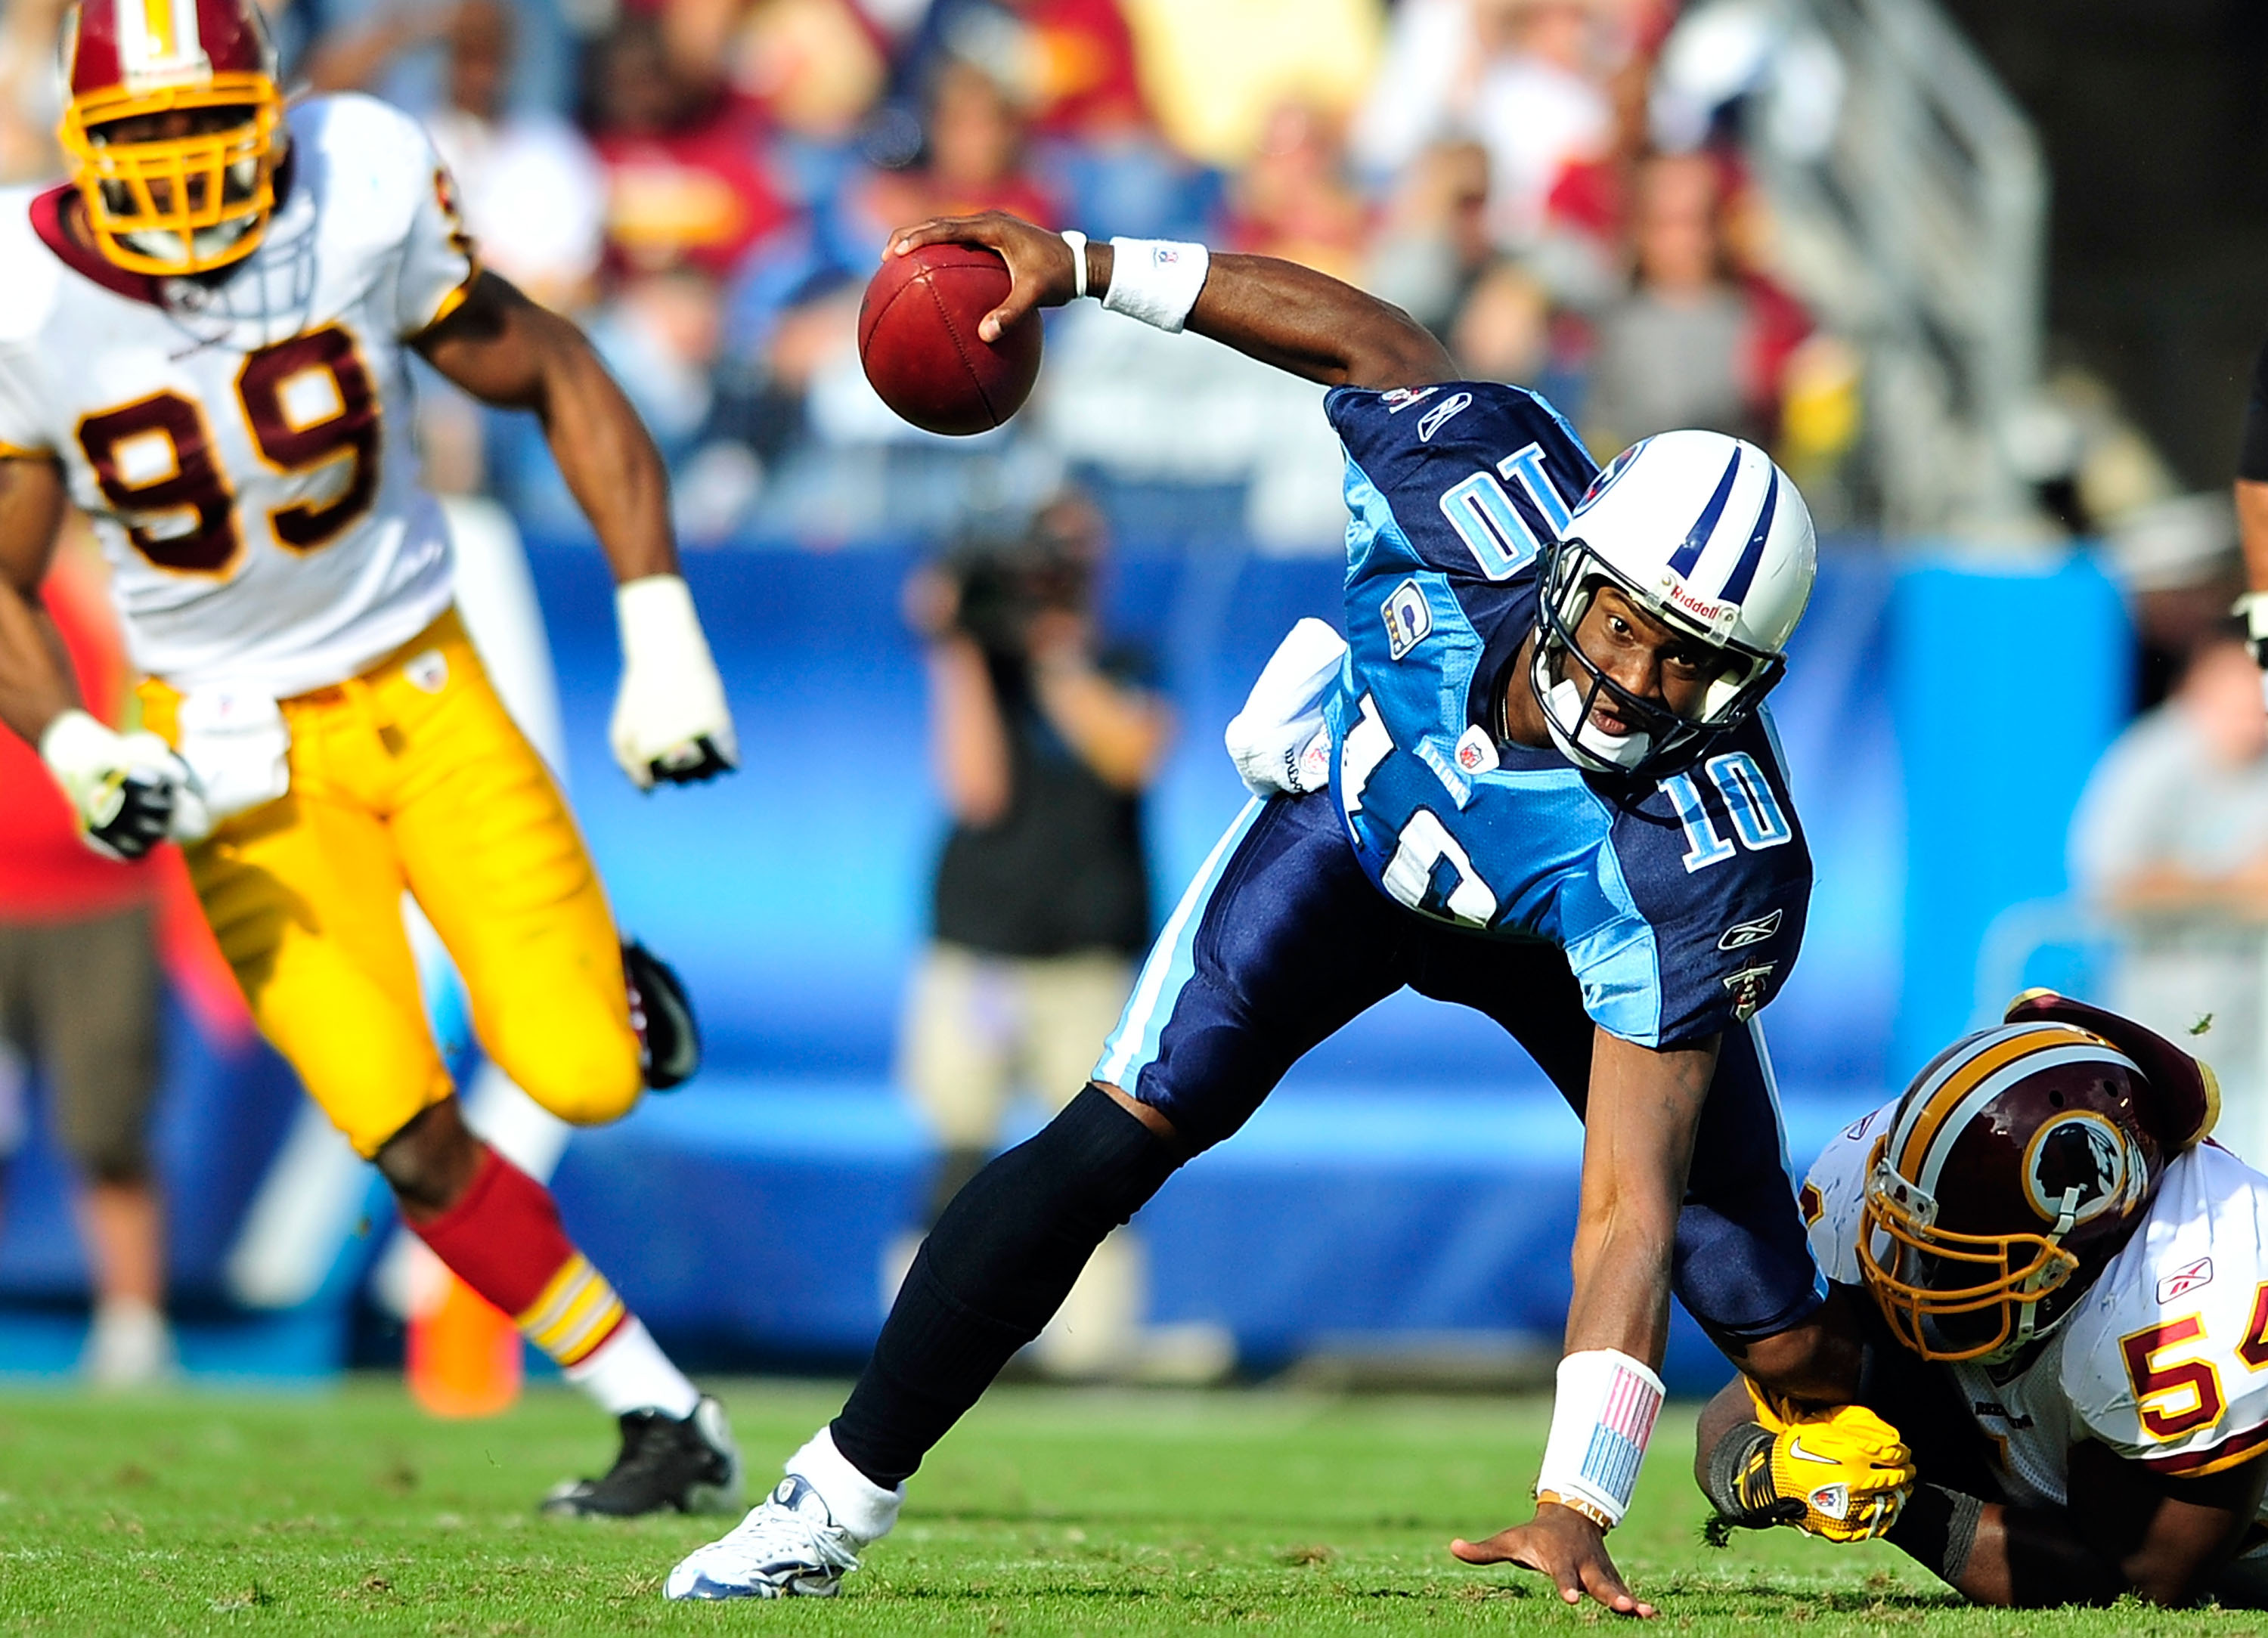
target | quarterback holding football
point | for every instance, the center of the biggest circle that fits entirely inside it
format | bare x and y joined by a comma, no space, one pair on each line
1536,778
205,340
2069,1299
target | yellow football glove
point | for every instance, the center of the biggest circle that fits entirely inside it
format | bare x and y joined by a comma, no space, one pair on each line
1845,1467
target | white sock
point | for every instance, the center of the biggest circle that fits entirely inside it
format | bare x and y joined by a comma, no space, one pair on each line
630,1372
865,1511
129,1344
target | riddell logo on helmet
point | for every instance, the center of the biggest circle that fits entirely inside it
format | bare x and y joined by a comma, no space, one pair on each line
1679,596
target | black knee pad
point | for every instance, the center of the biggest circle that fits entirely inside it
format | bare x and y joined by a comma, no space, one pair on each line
993,1273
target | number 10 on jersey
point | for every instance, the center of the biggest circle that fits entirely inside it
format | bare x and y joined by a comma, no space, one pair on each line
1758,818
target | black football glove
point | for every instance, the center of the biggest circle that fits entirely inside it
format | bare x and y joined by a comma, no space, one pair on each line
669,1038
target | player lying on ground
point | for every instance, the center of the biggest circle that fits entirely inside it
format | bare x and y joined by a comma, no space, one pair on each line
205,344
1550,796
2070,1332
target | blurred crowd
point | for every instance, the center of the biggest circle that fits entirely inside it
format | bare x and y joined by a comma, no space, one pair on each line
707,183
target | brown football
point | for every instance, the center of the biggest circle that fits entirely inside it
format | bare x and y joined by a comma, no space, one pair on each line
918,339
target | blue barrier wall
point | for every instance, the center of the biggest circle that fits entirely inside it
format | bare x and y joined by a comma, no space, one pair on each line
2005,689
809,870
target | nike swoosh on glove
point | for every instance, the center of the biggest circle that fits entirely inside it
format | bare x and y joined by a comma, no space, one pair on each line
671,724
1846,1466
128,792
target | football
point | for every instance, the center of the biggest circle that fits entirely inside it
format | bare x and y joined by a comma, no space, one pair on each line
918,339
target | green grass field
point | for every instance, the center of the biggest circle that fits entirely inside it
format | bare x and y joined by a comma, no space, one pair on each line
1048,1512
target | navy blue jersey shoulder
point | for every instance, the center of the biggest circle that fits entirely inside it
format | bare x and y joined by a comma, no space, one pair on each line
1678,903
1717,869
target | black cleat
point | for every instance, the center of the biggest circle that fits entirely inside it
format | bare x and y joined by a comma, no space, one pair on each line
666,1467
669,1039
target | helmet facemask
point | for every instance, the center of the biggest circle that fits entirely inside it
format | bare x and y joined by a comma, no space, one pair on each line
1568,684
1952,1297
176,205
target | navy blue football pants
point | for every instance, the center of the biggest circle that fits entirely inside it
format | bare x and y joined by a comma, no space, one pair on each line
1282,939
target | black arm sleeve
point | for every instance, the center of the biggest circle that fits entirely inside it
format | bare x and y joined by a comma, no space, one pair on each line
2252,451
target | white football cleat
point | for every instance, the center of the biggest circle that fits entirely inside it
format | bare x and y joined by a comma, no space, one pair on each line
789,1546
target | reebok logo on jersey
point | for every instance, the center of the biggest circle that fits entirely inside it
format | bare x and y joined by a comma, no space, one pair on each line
1742,934
1748,988
1441,415
1409,618
2181,1281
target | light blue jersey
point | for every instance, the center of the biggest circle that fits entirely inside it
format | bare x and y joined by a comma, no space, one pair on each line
1680,901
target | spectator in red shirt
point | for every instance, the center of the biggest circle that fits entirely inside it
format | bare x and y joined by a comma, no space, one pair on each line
686,179
1294,198
976,157
1071,62
78,999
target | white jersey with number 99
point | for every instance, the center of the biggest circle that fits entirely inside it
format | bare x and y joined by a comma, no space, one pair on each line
243,444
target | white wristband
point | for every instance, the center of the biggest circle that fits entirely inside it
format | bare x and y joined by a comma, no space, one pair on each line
1600,1422
1076,240
656,619
1156,280
77,748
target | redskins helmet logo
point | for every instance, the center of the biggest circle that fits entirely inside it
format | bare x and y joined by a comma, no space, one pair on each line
2084,1151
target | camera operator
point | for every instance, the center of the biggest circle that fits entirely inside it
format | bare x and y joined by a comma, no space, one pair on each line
1044,745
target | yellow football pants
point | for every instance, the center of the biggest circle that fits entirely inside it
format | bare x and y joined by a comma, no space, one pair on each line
412,775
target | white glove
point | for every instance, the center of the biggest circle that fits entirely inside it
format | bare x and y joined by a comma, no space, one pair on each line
671,723
1279,741
129,790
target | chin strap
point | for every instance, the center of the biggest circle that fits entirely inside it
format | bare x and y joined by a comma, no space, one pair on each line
1586,741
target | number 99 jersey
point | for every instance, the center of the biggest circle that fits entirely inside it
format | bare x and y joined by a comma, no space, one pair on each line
1679,902
242,442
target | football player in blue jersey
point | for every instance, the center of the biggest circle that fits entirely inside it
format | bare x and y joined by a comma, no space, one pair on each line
1535,780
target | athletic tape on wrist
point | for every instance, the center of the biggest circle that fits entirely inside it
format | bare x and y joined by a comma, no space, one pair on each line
1601,1420
1076,240
656,617
1156,280
75,747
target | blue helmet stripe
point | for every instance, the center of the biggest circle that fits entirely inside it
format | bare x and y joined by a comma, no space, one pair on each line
1698,538
1744,571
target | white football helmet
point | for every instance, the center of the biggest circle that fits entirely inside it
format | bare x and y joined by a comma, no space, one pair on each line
1704,533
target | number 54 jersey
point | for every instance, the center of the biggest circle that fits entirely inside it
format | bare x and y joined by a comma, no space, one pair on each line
2164,1360
243,442
1679,902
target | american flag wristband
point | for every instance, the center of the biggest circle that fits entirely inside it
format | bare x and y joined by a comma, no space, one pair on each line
1600,1420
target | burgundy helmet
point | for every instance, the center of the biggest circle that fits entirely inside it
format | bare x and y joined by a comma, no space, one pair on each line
2020,1162
173,128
